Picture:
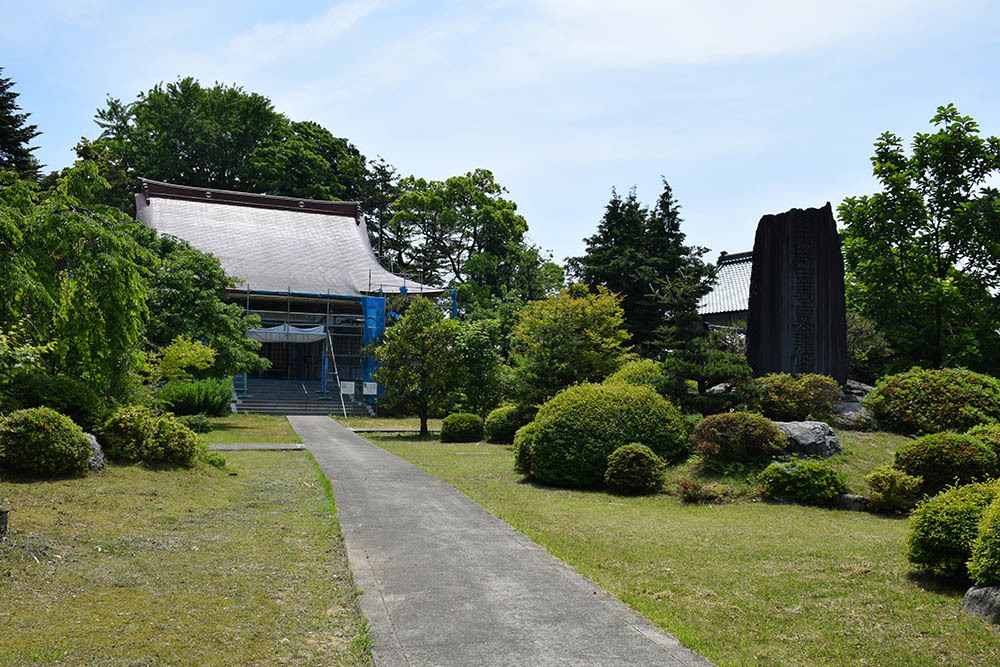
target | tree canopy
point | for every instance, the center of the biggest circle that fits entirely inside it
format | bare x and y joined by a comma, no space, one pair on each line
639,253
923,254
15,133
220,137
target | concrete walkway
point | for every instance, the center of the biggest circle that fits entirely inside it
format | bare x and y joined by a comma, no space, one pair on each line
445,582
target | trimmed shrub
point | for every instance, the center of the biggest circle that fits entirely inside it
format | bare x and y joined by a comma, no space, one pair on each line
984,565
524,439
197,423
211,396
806,482
68,396
930,401
942,528
643,372
502,423
462,427
990,435
634,469
41,441
791,398
892,490
946,458
580,427
134,433
737,436
693,491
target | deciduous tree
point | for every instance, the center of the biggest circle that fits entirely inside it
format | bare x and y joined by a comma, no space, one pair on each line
923,254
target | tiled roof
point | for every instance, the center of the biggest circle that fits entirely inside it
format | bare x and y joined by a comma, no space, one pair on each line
732,289
274,243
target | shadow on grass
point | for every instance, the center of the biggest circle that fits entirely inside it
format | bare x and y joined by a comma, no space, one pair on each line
934,583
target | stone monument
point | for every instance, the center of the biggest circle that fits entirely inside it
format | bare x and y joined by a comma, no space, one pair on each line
797,320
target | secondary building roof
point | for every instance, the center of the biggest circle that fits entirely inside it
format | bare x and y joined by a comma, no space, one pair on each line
274,244
731,293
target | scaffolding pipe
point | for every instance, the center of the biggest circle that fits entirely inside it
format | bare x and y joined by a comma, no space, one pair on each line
336,374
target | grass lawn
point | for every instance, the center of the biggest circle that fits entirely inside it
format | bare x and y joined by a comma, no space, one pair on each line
233,429
242,566
742,583
386,422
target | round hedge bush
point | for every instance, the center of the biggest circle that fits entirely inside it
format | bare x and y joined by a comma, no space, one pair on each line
990,435
930,401
737,436
984,565
502,423
892,490
576,431
462,427
946,458
634,469
790,398
524,439
643,372
134,433
806,482
943,528
68,396
41,441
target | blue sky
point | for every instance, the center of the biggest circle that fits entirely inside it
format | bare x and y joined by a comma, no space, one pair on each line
746,108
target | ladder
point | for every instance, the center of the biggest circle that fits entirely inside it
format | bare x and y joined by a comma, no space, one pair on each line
336,374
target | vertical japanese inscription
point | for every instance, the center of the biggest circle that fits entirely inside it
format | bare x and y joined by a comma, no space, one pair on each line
804,275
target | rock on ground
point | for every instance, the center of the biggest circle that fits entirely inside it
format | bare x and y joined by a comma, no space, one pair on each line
848,412
812,438
984,602
96,460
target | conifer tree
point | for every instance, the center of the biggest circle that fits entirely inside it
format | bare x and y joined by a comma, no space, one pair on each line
15,134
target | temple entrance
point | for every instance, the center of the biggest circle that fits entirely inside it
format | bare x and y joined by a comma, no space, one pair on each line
293,361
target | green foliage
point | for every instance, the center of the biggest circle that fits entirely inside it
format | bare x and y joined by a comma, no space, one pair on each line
66,395
922,254
76,269
577,429
694,491
221,137
643,372
639,253
187,297
479,376
984,565
868,351
503,422
785,397
524,441
41,441
707,362
737,436
418,361
462,427
989,434
177,360
575,336
946,458
17,354
15,134
892,490
198,423
211,396
634,469
806,482
942,528
135,433
929,401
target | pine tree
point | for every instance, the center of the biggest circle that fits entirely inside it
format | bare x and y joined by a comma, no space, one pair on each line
14,134
640,254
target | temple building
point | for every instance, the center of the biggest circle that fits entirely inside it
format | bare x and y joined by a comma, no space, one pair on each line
727,305
308,271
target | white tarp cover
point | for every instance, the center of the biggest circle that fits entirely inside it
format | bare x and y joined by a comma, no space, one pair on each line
286,333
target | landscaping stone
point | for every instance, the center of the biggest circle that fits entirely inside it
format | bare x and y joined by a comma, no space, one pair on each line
852,502
96,460
849,413
812,438
984,602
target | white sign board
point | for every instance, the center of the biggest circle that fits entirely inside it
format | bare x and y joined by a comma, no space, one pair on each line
347,387
371,388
